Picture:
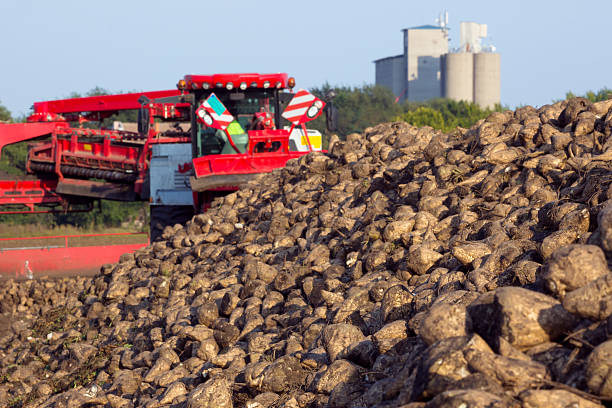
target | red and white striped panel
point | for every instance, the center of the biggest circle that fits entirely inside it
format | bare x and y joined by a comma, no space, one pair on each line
214,114
303,107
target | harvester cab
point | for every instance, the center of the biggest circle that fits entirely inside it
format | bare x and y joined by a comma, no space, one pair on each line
253,101
246,124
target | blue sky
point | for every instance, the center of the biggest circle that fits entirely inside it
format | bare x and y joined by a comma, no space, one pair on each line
53,48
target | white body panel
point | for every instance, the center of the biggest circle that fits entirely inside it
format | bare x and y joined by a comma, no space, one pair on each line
169,173
301,144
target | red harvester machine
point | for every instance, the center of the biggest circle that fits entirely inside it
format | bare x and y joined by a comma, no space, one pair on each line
226,128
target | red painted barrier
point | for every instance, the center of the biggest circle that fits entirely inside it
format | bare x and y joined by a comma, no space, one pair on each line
60,259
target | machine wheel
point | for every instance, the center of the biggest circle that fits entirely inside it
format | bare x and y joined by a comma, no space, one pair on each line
168,215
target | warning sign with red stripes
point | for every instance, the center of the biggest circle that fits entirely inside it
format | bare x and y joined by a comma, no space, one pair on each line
214,114
303,107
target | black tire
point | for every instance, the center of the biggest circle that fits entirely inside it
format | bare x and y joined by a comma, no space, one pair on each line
164,215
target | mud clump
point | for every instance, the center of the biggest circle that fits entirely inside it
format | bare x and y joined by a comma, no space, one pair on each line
407,267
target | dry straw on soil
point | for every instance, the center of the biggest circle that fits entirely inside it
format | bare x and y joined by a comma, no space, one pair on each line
406,268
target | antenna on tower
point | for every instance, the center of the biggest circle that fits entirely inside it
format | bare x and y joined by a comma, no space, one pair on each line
442,21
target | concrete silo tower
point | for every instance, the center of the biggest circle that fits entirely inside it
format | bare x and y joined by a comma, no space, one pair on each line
487,83
458,79
472,72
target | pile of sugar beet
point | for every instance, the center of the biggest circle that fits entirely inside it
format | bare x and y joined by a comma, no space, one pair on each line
407,267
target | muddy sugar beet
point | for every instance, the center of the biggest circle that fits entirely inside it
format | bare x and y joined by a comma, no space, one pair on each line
407,267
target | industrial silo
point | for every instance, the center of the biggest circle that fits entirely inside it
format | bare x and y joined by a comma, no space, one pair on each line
459,76
487,79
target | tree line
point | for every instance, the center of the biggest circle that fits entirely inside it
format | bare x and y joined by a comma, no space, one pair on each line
361,107
357,109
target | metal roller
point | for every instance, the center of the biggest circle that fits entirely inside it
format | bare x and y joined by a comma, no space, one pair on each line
85,172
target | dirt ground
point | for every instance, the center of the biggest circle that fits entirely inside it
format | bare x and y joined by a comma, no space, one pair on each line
5,324
57,274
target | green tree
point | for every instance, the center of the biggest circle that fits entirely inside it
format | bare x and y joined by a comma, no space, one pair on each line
601,95
451,113
424,116
358,107
111,214
5,115
13,159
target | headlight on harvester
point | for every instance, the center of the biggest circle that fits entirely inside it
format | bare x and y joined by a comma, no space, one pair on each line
205,117
314,109
243,85
266,84
205,85
229,86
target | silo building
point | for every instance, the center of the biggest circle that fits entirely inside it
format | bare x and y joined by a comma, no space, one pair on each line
458,76
391,73
416,74
487,66
427,70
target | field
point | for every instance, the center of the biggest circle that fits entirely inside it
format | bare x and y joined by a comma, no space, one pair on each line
77,241
75,236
